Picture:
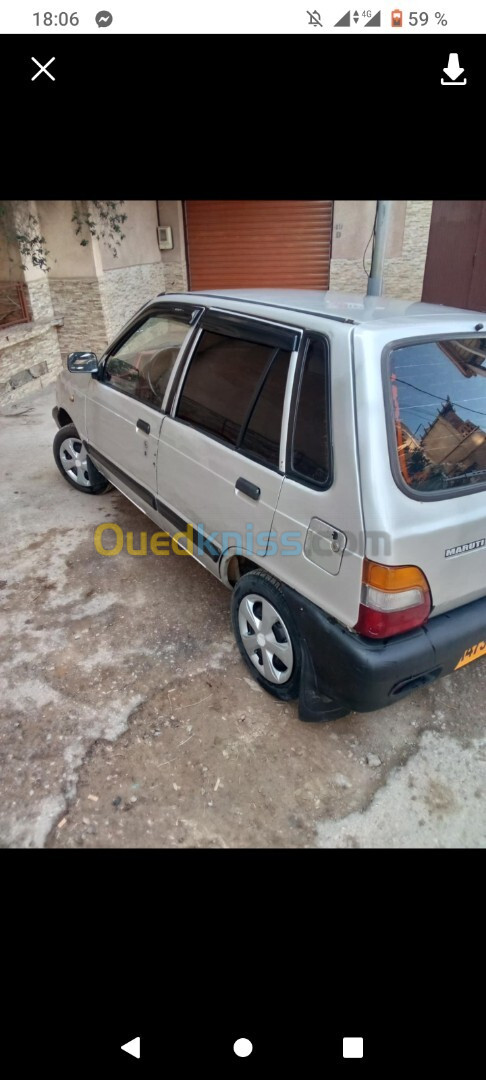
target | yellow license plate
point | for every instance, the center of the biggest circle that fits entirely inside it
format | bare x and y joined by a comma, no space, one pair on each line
472,654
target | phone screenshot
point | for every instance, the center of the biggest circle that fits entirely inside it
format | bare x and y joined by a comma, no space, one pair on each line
243,507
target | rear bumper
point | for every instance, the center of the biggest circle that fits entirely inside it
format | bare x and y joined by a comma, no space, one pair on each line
343,671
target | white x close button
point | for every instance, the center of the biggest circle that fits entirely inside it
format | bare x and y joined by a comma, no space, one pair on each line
42,68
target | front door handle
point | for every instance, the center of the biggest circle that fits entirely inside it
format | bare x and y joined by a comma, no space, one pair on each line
247,488
143,426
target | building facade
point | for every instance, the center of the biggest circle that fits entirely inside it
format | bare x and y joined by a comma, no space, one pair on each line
87,295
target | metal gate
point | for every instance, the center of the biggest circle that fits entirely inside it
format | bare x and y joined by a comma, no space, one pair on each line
14,303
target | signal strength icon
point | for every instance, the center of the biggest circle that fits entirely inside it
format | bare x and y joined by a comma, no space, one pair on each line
346,19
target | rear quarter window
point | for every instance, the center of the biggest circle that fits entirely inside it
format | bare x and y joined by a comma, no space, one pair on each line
438,404
310,453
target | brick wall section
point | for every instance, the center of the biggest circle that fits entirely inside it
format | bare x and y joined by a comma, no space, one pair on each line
89,313
347,275
30,358
175,277
124,291
403,276
77,301
40,299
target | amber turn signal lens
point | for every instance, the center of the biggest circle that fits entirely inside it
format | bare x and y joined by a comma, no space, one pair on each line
393,578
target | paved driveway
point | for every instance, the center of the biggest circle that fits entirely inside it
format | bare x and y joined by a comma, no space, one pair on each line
129,720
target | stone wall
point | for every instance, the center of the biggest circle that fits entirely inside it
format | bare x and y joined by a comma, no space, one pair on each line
76,313
89,295
77,301
94,311
348,275
40,298
403,275
124,291
30,358
175,277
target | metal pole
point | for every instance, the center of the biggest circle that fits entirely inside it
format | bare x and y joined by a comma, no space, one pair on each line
375,280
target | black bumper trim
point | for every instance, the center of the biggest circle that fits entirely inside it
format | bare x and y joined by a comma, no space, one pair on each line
342,669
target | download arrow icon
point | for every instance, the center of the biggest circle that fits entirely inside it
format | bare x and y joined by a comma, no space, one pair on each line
453,69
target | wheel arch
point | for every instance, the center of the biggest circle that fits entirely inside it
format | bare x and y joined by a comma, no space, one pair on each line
64,418
234,565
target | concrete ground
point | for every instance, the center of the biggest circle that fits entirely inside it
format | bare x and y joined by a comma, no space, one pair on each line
129,720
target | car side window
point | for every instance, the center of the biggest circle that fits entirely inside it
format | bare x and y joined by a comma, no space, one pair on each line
142,364
228,393
310,458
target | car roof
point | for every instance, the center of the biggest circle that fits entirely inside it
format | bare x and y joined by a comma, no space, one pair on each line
343,306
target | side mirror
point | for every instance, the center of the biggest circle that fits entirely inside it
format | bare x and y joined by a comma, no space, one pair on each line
83,362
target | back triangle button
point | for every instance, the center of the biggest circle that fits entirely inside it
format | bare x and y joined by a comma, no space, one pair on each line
132,1047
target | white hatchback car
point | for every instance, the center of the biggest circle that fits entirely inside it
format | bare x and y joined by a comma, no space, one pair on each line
324,455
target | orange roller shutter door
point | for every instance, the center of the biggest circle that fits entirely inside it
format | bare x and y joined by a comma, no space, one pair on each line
253,244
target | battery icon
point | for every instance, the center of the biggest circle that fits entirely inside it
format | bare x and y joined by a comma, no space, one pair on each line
397,17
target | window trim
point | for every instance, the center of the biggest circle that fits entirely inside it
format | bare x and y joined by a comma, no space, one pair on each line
233,323
298,331
158,309
287,408
184,367
309,337
185,353
418,496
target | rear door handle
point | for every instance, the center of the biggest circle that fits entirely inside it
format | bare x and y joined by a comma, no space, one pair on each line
143,426
247,488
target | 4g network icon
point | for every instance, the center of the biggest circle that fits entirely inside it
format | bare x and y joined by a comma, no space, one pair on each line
371,20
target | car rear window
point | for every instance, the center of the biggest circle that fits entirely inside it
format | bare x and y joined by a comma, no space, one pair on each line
438,391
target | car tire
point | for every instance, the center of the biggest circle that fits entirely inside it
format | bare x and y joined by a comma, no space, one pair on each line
75,465
266,634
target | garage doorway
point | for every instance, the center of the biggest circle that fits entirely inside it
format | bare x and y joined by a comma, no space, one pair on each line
254,244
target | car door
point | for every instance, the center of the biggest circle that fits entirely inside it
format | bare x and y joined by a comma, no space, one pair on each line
124,405
220,464
319,504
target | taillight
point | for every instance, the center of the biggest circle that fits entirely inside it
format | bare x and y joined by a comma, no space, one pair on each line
393,599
